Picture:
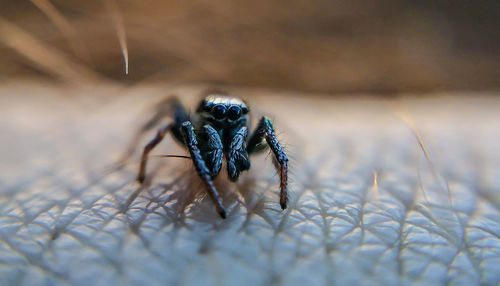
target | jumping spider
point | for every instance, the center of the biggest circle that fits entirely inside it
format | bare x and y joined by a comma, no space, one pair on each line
219,129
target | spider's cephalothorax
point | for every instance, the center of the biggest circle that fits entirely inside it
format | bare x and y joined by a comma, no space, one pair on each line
220,127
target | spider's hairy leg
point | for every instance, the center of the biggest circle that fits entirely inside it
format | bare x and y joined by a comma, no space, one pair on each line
189,136
237,157
167,107
265,130
212,151
144,158
170,106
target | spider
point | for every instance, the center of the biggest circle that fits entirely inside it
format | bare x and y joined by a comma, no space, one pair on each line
219,129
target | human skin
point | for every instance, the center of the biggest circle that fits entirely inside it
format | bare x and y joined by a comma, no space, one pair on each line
382,191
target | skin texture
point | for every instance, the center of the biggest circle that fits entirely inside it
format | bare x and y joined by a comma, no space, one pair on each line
367,205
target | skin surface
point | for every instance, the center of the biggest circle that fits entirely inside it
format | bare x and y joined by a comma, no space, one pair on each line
382,192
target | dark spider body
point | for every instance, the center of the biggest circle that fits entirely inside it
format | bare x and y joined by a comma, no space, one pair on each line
219,129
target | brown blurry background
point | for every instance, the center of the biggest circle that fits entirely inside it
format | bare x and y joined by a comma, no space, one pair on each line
329,46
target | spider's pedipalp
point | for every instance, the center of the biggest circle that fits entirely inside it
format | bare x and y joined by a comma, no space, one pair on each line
237,156
213,150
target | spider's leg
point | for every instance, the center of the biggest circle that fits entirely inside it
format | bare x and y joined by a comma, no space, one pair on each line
144,158
179,114
265,130
237,157
163,109
187,131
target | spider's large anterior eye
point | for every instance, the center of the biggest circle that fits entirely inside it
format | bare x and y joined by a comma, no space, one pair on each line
219,111
234,112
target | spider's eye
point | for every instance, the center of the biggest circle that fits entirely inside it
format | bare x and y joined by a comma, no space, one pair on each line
234,112
219,111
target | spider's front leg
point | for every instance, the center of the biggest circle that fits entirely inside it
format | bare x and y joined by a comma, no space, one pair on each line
189,136
265,130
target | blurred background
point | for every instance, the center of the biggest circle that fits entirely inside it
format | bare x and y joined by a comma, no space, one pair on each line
384,190
325,46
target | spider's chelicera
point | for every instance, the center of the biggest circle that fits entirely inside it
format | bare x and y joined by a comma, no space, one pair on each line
220,127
